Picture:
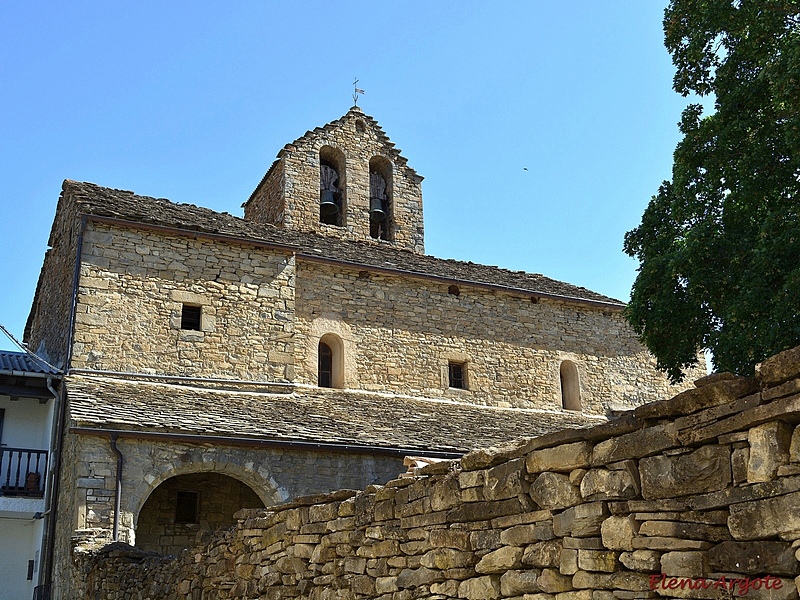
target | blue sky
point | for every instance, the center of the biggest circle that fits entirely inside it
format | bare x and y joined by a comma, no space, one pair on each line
192,100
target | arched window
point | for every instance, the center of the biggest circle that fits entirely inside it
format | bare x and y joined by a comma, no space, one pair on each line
380,198
325,369
332,189
570,386
330,362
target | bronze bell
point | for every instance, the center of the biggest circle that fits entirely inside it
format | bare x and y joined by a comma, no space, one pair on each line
327,203
376,212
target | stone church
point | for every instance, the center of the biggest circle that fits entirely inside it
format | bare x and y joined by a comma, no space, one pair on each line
214,362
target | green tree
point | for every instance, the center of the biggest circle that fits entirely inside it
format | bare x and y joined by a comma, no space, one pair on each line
719,245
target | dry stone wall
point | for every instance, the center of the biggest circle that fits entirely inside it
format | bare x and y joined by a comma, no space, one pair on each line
693,497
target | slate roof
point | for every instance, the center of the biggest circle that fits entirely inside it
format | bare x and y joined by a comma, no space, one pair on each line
306,415
119,204
20,363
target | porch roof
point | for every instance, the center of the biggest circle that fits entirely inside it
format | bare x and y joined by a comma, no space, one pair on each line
22,363
305,416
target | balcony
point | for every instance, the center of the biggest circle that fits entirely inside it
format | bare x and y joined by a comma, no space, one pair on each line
22,472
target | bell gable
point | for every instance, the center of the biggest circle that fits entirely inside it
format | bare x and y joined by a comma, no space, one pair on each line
344,180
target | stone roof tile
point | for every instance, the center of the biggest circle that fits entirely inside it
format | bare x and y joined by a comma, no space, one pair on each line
306,415
125,205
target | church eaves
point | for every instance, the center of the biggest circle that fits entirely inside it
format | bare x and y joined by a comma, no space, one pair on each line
130,210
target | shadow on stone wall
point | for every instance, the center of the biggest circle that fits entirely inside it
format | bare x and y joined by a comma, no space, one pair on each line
211,500
697,496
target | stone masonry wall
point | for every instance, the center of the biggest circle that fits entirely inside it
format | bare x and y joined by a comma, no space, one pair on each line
47,331
66,524
359,139
693,497
132,288
399,335
268,204
264,312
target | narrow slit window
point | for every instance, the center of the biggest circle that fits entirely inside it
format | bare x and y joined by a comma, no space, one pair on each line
325,366
570,386
457,375
187,507
190,317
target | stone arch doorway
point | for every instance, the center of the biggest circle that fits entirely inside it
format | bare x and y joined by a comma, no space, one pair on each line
184,505
160,462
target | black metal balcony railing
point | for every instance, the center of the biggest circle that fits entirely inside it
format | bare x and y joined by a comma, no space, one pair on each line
22,472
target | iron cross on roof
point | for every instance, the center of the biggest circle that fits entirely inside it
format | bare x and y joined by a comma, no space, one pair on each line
356,92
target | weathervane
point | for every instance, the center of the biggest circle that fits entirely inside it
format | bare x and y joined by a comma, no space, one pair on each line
356,92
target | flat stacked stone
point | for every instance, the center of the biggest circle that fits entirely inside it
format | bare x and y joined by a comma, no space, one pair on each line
634,515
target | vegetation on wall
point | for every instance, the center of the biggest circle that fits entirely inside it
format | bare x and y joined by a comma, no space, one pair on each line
719,244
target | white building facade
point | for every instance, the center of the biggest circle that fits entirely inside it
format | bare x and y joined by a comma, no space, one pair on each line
28,392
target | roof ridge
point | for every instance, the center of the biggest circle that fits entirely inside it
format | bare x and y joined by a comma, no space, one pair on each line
192,217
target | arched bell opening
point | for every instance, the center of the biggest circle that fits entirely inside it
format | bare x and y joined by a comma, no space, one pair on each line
184,505
332,188
380,198
570,386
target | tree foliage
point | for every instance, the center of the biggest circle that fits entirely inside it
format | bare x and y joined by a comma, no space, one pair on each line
719,244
